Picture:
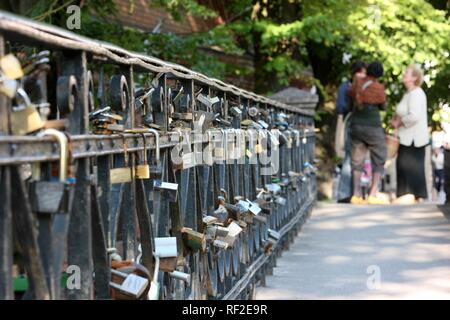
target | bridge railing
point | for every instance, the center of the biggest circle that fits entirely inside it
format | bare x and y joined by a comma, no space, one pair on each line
116,161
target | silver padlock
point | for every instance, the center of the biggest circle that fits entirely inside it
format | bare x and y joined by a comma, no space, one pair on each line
280,200
220,244
166,247
170,189
133,285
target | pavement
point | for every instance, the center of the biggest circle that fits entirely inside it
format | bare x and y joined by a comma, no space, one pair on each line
366,252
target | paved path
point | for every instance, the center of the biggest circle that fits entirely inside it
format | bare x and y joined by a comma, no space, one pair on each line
340,249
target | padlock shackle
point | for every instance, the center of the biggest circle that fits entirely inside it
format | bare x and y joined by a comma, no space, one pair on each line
23,94
144,141
63,142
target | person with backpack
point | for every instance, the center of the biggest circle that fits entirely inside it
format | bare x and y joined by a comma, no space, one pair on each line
342,139
367,134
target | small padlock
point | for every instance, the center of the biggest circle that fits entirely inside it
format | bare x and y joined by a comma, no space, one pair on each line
220,244
10,67
233,232
280,200
25,118
123,174
166,250
193,239
168,188
155,170
142,171
47,196
132,285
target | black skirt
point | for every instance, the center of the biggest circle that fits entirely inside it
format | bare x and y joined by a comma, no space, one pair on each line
411,172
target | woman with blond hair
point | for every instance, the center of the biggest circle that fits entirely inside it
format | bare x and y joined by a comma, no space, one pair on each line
411,120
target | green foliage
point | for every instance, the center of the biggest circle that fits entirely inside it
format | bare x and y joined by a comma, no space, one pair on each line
179,8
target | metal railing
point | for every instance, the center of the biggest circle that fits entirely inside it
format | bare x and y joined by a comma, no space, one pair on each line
89,183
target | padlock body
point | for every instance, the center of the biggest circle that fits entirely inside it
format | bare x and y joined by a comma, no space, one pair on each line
46,196
142,171
25,121
120,175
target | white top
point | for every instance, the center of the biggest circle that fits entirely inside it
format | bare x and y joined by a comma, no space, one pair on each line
438,160
412,110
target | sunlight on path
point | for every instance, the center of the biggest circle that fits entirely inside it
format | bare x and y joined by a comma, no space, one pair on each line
409,245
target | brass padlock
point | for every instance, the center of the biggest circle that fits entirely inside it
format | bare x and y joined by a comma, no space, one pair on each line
10,67
155,170
25,118
123,174
142,171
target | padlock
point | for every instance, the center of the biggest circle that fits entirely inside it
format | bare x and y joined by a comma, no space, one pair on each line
123,174
168,188
233,232
214,231
118,93
220,244
51,196
132,285
25,118
207,101
166,250
253,207
203,120
280,200
274,188
142,171
155,170
209,220
10,67
193,239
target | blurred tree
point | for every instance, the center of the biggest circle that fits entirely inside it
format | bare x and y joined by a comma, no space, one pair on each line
286,38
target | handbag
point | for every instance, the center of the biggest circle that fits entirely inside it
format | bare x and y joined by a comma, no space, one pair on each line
392,144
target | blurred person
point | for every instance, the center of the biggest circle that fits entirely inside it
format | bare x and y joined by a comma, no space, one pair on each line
367,133
438,168
411,119
343,145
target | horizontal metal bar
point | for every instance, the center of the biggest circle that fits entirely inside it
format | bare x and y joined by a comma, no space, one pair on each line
25,149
